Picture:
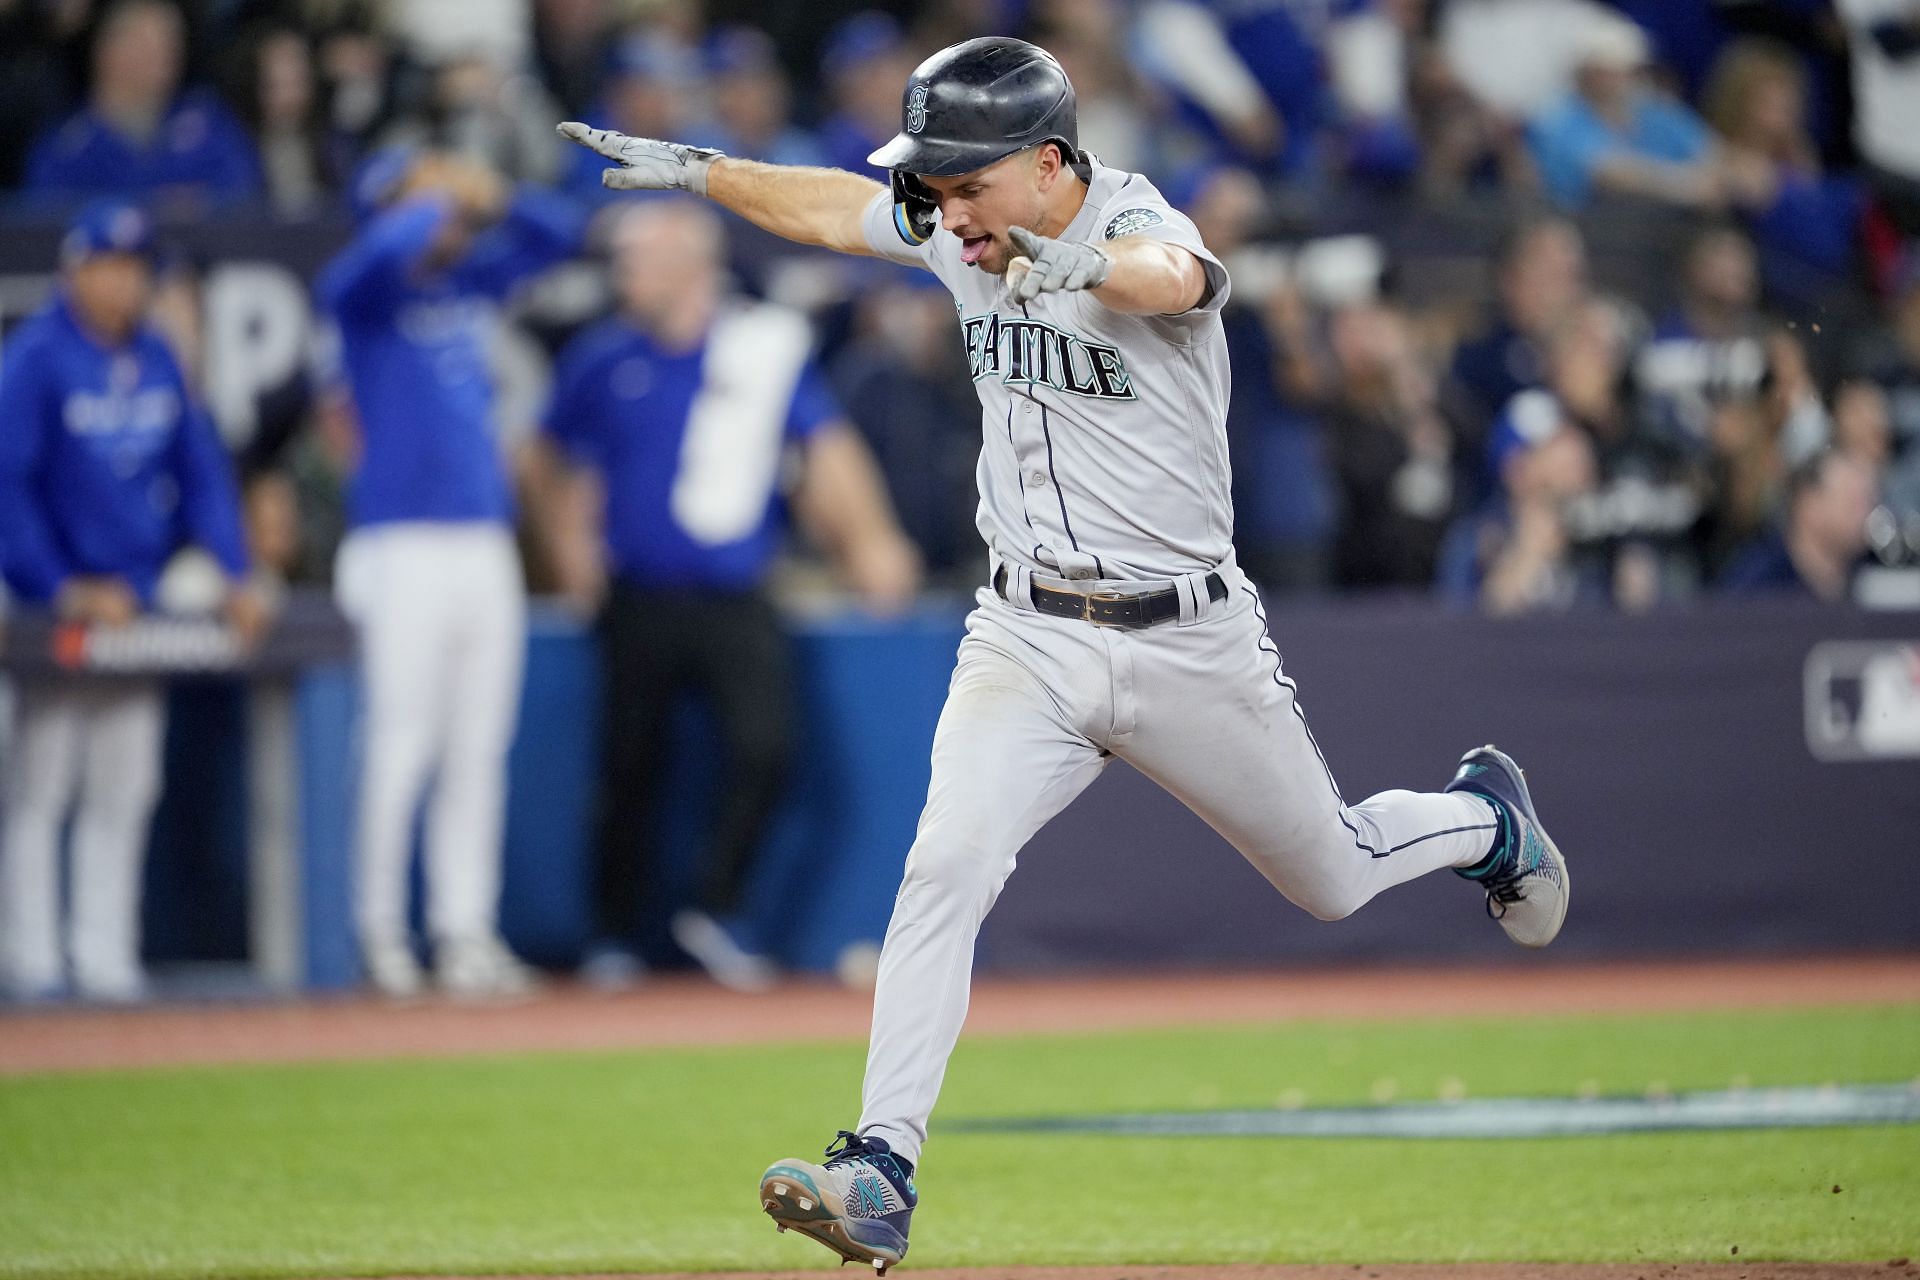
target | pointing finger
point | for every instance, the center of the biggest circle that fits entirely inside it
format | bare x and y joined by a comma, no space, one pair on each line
1025,241
604,141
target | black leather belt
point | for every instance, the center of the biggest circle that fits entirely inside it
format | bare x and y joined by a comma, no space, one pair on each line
1108,608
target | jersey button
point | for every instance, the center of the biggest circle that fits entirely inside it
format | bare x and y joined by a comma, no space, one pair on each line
1037,478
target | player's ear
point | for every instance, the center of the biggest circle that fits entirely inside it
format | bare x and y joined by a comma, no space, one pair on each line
1047,164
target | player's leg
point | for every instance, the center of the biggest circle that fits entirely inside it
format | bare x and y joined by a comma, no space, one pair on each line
393,585
122,738
1220,725
42,768
745,668
466,811
1011,750
640,665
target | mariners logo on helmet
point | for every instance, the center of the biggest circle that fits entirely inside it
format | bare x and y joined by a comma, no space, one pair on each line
917,109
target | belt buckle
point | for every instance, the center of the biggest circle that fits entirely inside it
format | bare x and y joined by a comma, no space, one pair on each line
1086,606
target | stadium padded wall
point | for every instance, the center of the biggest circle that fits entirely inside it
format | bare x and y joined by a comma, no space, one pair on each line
1738,778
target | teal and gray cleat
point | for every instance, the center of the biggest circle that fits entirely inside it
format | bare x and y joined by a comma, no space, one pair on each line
1524,875
858,1203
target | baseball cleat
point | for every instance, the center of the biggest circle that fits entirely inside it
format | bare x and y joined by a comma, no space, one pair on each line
858,1203
1525,875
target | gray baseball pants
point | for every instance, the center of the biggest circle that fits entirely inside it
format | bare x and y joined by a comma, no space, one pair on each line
1037,707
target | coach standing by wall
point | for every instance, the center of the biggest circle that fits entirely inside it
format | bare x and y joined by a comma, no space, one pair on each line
107,468
675,417
429,572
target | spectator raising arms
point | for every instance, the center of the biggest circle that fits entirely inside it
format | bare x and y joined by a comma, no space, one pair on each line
139,133
429,573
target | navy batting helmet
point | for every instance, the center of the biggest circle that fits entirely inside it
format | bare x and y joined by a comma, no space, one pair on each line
967,106
978,101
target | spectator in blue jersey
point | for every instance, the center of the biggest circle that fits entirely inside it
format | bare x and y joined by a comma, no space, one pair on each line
107,468
1816,548
864,62
663,461
139,132
751,100
429,571
1616,135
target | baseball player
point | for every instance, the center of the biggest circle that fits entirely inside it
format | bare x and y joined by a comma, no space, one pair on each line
108,466
1115,622
429,572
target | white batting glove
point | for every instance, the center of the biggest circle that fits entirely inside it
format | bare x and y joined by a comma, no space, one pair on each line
645,164
1055,266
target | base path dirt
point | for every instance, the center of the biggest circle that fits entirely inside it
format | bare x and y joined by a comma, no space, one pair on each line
686,1011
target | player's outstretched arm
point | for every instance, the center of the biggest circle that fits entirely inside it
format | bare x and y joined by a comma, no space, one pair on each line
1134,274
806,205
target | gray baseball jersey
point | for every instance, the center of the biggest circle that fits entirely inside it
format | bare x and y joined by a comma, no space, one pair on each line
1104,453
1105,458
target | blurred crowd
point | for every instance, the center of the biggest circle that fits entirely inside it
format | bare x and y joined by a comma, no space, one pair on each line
1581,416
1537,304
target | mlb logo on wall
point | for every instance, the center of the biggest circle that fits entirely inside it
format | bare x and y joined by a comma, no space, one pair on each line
1863,700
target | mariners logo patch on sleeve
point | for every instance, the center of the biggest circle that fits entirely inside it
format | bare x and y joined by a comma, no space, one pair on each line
1132,220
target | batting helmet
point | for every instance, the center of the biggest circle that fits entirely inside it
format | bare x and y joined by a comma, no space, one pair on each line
978,101
967,106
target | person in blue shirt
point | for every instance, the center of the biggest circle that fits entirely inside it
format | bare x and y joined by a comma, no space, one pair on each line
429,570
673,420
1815,549
1614,135
108,467
139,134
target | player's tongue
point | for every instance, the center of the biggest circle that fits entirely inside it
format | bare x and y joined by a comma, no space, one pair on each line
972,247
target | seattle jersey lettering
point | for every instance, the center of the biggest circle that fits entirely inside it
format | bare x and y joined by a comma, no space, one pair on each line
1035,353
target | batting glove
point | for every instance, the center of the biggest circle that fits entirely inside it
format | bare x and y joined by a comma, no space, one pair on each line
1057,265
645,164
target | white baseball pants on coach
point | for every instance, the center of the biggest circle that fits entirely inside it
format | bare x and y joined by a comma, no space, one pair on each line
93,749
1035,706
441,612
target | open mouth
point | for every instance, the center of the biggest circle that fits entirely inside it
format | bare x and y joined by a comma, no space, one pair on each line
973,247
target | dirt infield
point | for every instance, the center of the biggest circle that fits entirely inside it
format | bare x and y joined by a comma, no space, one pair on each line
684,1011
1733,1269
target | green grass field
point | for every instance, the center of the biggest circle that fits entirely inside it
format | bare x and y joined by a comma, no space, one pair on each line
649,1161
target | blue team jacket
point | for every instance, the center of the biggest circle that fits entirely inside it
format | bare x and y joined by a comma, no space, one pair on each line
198,144
107,465
414,347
